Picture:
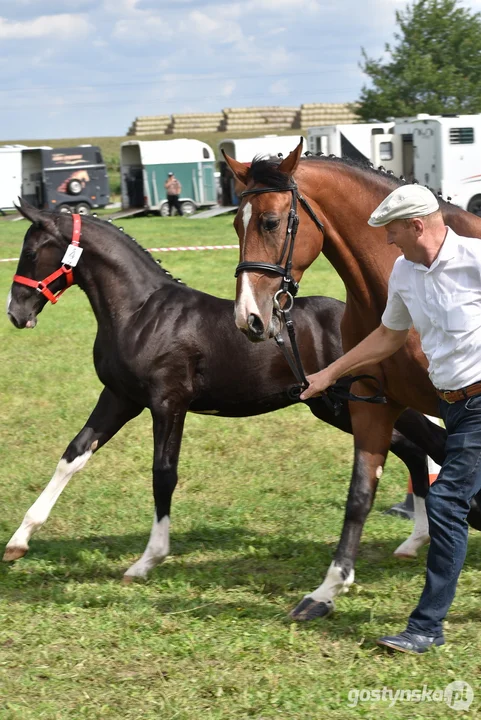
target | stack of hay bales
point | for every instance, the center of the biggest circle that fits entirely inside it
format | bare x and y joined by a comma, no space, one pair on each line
196,122
150,125
260,118
313,114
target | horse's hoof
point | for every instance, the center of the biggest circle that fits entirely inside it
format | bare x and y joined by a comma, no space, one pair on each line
14,553
403,555
309,609
127,580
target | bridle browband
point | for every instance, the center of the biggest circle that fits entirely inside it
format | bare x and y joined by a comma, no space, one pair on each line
65,270
336,394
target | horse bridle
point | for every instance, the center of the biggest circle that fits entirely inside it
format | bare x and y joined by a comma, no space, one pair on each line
65,270
289,286
338,393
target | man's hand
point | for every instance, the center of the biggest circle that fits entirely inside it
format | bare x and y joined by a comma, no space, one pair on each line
317,383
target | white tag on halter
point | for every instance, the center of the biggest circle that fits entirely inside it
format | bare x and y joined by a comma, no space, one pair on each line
72,256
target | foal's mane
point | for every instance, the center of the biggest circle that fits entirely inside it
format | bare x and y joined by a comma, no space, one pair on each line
120,234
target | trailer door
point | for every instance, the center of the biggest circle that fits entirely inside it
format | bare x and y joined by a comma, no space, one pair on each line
387,150
10,178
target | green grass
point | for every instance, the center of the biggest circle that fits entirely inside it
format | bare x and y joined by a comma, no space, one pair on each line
256,519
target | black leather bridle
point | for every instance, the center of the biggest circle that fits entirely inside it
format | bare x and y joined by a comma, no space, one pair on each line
288,285
338,393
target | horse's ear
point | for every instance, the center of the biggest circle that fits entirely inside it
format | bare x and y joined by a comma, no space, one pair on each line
239,170
46,222
28,211
290,163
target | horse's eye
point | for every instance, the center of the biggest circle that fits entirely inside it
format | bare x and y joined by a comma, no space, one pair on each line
30,254
270,225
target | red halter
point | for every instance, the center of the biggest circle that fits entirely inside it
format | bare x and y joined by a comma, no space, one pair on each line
42,285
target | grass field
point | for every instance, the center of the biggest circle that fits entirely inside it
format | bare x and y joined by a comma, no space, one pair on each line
256,518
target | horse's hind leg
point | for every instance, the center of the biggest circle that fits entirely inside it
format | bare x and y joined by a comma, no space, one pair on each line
372,429
168,428
109,415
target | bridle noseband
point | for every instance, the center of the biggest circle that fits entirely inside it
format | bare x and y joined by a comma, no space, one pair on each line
71,256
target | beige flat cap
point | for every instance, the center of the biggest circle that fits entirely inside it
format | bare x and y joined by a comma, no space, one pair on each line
407,201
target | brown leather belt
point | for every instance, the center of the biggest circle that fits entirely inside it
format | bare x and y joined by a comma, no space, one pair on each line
452,396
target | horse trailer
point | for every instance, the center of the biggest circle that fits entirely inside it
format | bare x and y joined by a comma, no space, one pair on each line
72,179
357,141
243,150
442,152
144,166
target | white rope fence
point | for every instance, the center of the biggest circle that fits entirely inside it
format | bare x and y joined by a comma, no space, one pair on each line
180,248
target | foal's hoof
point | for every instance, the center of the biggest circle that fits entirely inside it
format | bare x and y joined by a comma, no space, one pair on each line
14,553
309,609
127,580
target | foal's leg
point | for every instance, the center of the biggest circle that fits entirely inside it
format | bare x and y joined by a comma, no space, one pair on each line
372,428
109,415
168,427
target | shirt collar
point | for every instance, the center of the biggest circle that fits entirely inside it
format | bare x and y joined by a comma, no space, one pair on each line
446,252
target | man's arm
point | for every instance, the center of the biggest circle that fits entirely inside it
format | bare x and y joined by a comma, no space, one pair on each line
380,344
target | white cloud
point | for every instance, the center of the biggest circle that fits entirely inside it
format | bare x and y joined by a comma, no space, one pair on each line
62,26
228,88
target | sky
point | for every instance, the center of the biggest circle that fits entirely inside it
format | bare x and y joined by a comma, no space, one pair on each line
87,68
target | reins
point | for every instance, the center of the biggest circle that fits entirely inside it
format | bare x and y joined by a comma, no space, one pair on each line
338,393
69,260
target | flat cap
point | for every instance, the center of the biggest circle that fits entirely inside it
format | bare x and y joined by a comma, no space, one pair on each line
407,201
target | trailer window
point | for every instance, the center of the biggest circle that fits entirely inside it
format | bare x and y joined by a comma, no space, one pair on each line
385,151
461,136
205,153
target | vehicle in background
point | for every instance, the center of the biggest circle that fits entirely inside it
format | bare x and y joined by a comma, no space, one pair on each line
244,150
357,141
71,179
145,164
440,151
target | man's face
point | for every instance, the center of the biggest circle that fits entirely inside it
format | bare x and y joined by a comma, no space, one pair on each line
405,235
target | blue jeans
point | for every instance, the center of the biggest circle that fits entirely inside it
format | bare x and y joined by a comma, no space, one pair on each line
447,506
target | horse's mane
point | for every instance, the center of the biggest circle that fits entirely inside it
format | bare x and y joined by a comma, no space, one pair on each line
121,234
265,171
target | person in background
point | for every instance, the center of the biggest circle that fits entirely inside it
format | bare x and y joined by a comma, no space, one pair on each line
173,189
435,286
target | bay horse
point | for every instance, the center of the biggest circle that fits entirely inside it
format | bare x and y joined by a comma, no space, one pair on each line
172,349
331,200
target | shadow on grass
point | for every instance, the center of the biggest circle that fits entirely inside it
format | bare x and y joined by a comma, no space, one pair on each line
266,565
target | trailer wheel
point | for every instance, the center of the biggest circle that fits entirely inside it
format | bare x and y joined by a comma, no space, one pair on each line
64,209
188,207
82,209
74,187
164,210
474,205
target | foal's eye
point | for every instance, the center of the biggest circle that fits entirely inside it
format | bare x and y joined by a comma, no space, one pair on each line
270,225
30,254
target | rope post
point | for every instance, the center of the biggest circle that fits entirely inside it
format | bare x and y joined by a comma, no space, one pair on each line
405,509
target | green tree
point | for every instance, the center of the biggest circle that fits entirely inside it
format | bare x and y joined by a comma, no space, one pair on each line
434,65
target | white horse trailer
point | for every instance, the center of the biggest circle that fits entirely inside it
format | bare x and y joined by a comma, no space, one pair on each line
244,150
356,141
10,175
442,152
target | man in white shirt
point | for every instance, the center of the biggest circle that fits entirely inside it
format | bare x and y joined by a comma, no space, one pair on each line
435,285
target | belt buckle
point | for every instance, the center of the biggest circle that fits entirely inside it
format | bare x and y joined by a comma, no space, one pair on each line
445,393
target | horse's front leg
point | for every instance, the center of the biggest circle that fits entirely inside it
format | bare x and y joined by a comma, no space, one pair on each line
108,417
168,425
372,429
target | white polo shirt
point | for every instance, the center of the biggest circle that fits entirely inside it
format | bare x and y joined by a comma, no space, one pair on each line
443,302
